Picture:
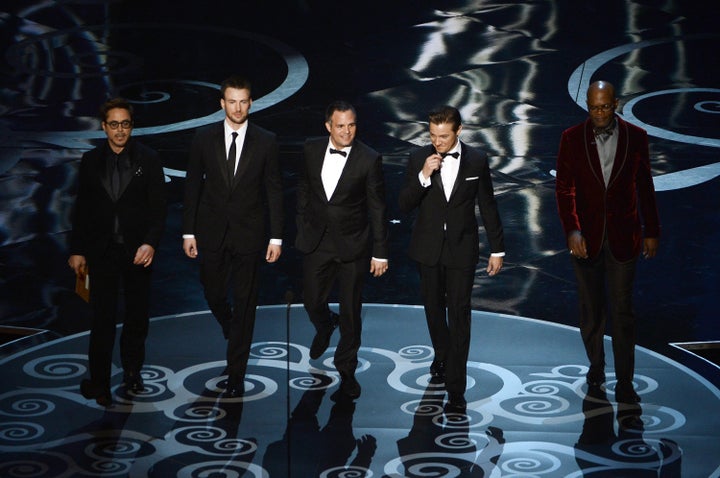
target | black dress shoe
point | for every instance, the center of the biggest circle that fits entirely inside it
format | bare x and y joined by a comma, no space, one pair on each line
235,388
625,393
456,402
100,394
595,378
350,387
437,369
134,382
321,341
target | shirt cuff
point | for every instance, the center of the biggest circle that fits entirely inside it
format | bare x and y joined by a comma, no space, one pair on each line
276,242
379,260
188,236
497,254
424,182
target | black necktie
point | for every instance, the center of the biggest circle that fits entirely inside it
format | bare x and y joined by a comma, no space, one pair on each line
115,177
454,155
337,151
231,155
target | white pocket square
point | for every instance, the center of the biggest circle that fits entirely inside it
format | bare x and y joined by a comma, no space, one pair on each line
473,178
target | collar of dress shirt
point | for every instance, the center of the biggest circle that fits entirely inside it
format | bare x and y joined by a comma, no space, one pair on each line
345,149
240,131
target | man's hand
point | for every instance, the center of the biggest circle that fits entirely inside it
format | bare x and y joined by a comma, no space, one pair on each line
432,163
495,263
273,253
190,247
577,245
78,264
144,255
650,247
378,268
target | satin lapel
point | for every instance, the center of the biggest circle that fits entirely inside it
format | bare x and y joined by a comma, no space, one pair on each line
462,167
128,172
246,154
103,173
350,164
621,153
218,143
591,153
314,168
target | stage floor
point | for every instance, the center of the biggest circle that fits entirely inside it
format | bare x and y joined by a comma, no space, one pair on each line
528,414
517,71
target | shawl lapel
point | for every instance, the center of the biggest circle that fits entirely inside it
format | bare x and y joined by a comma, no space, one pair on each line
591,153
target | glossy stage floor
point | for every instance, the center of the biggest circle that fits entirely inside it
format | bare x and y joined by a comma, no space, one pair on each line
518,72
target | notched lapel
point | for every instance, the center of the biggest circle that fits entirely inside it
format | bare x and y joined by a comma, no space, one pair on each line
246,153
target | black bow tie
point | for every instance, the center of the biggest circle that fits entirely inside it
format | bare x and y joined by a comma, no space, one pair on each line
606,131
454,155
337,151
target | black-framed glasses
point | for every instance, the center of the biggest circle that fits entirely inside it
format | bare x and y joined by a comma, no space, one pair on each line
604,108
126,124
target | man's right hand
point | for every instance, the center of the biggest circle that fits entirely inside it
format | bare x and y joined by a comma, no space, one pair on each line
577,245
432,163
78,264
190,247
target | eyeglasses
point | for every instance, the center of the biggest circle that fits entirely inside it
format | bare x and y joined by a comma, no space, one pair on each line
126,124
604,108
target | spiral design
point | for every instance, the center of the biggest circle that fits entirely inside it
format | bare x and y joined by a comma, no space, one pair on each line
28,407
347,472
454,441
201,413
634,448
14,432
537,405
25,468
416,353
235,446
57,367
114,448
269,351
221,469
531,462
423,408
313,382
431,469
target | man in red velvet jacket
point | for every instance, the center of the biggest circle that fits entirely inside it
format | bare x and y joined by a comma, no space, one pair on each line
605,195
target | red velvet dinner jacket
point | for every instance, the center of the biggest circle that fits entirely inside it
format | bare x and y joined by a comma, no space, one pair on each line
619,210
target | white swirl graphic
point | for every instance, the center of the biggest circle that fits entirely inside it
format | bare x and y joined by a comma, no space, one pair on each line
20,431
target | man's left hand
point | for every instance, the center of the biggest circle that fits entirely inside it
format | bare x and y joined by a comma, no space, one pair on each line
650,246
378,268
144,255
495,263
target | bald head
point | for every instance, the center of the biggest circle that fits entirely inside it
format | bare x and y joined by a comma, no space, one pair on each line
601,86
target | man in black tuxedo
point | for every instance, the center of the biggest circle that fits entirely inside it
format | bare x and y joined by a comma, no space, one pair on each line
340,212
118,220
233,190
444,182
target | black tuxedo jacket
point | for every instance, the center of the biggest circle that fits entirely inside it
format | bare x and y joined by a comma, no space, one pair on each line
216,203
140,207
472,186
355,216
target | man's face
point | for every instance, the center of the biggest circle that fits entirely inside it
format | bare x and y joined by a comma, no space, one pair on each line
236,103
601,107
118,128
443,137
342,128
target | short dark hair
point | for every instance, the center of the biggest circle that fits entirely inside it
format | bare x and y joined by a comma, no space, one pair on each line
446,114
237,82
121,103
338,105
